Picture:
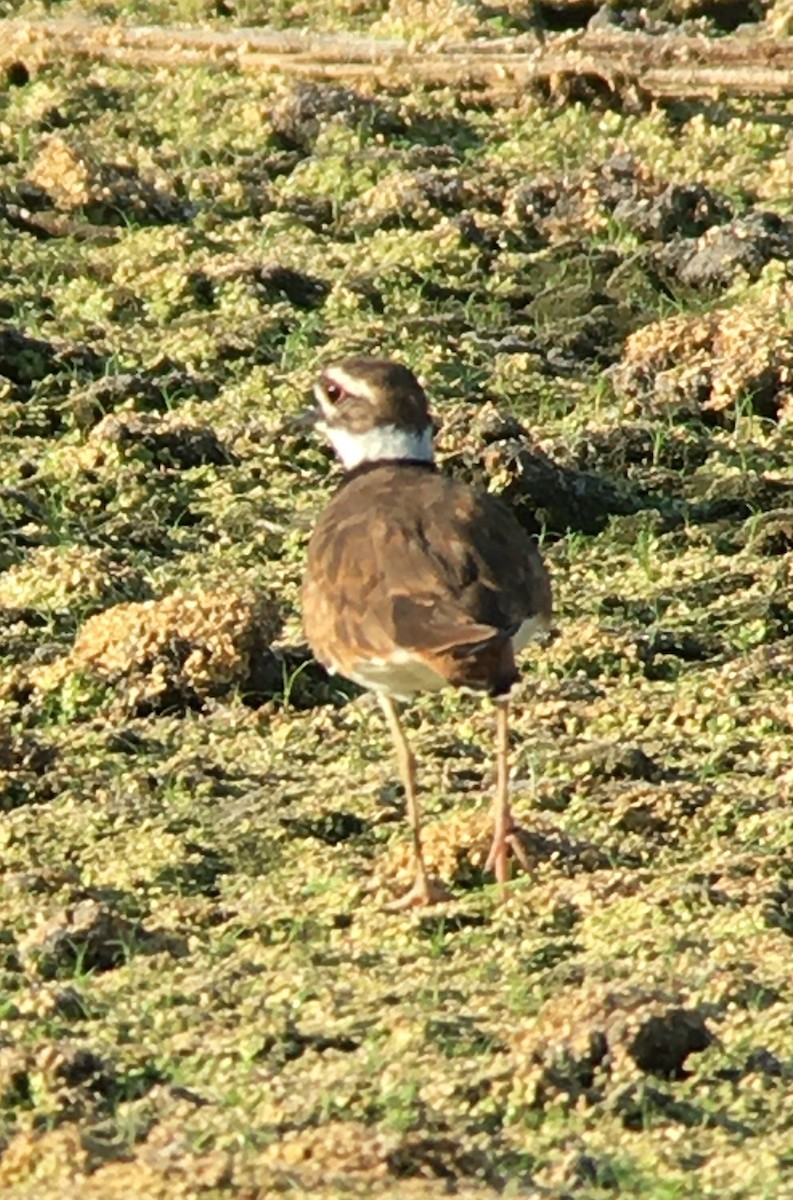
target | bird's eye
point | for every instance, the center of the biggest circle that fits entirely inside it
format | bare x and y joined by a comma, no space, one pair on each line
333,392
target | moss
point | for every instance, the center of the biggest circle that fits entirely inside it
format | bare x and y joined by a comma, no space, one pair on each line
172,652
196,817
55,579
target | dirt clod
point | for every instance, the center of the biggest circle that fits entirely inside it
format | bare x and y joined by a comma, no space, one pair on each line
176,652
90,936
169,441
546,495
274,280
744,245
607,1033
662,1043
706,365
300,115
75,179
25,770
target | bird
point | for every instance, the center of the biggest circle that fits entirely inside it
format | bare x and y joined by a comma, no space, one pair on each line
416,581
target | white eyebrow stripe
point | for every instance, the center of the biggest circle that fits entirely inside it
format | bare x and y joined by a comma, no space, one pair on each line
349,383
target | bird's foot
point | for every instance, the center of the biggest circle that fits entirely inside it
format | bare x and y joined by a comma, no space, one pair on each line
509,840
425,891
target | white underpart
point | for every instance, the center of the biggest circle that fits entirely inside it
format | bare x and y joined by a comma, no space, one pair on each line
383,442
532,627
403,674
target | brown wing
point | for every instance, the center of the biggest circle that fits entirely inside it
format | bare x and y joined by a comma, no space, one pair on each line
408,560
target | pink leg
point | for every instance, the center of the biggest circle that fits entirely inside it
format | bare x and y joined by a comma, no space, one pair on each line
506,834
424,890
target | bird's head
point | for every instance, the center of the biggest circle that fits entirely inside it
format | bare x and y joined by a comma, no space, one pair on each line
374,410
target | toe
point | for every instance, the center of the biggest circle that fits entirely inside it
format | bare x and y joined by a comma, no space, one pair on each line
425,891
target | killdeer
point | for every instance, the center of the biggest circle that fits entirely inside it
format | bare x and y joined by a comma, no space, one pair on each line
415,581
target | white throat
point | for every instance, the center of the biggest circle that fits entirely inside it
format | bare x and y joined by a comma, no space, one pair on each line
384,442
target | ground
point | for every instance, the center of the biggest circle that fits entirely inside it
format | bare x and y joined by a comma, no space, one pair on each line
202,993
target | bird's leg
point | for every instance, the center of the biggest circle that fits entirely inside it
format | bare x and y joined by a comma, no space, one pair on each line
424,890
506,834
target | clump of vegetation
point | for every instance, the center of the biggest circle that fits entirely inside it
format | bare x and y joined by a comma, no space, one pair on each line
734,358
174,652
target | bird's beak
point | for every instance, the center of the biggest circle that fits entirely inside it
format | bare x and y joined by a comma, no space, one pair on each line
313,415
320,411
308,418
301,421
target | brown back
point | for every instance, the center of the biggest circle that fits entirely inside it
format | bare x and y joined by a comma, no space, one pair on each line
407,559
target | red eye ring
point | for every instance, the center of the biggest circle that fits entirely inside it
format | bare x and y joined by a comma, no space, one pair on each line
334,391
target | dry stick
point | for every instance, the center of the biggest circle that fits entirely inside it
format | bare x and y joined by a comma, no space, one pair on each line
674,65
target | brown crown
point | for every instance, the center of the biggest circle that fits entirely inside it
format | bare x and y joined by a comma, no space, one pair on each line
361,393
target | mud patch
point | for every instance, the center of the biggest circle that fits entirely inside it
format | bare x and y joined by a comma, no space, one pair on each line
75,179
90,936
173,654
706,366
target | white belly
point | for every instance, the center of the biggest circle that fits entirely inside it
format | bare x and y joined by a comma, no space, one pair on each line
533,627
401,676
